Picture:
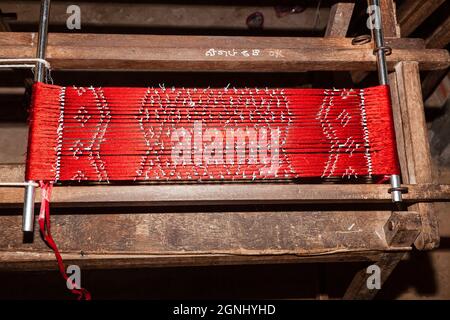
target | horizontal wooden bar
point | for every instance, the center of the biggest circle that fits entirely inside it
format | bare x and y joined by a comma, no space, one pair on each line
208,53
202,238
228,193
26,261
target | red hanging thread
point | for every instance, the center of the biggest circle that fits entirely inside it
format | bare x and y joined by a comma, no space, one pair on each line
44,227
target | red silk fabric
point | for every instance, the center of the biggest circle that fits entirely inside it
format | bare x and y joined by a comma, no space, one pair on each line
160,134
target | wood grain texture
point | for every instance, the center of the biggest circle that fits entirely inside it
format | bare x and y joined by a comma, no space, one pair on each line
389,18
416,146
339,19
225,194
402,228
189,53
175,236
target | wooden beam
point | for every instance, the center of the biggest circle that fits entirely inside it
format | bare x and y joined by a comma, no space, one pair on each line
204,53
166,238
412,13
339,19
407,103
147,15
226,194
389,19
358,289
32,261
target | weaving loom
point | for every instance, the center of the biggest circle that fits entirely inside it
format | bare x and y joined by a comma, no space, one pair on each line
159,135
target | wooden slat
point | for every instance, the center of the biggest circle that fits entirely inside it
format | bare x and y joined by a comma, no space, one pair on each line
189,53
416,146
389,19
32,261
216,194
147,15
178,237
412,13
229,193
339,19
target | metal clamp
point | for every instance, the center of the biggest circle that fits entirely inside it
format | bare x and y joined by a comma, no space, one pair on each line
362,39
387,50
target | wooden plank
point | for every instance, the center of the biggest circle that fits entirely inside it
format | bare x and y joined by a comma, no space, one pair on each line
191,53
416,146
146,16
339,19
173,236
225,194
32,261
389,19
358,289
413,13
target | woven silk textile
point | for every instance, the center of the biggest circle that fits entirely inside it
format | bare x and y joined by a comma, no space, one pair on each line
160,134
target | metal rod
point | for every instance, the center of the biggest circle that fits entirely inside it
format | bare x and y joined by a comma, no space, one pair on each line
377,32
39,76
17,184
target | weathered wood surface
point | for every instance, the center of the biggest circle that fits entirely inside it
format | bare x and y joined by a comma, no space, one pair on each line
190,53
389,19
33,261
174,236
413,13
358,289
149,15
402,228
412,143
230,193
339,19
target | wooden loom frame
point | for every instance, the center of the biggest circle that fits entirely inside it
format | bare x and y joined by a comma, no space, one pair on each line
291,230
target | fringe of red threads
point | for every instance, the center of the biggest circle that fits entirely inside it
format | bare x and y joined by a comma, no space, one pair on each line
44,226
106,134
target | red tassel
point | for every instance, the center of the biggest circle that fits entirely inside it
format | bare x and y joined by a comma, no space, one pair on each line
44,226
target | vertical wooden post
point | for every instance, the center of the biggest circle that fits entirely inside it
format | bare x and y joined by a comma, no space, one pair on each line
339,20
412,144
391,28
